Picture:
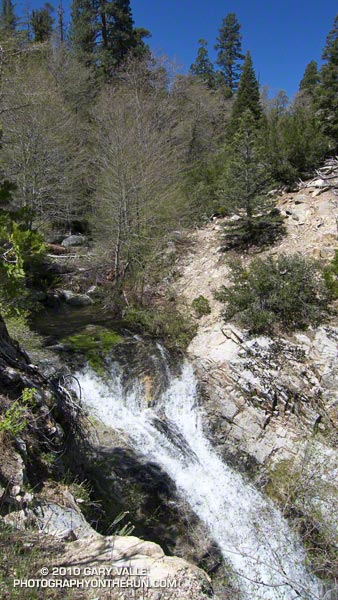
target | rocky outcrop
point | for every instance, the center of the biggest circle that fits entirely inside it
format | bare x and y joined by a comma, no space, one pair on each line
265,399
136,567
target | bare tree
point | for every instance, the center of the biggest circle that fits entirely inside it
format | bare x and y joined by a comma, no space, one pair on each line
41,143
138,171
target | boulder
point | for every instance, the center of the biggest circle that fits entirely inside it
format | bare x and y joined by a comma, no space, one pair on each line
62,522
164,577
76,299
73,240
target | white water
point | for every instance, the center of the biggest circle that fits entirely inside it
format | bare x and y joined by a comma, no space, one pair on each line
253,536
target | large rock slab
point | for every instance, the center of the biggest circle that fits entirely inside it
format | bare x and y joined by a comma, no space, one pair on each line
138,569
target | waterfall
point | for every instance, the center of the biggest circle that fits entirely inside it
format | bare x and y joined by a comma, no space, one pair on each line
253,536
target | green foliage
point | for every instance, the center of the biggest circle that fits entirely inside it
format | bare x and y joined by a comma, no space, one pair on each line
28,396
42,23
294,142
201,306
169,324
116,529
103,34
306,494
247,174
20,331
247,96
286,291
13,421
331,277
83,29
23,554
327,92
229,46
20,250
310,78
203,67
8,19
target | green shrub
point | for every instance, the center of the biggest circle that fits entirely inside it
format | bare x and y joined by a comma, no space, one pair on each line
21,251
176,329
331,277
287,291
13,421
201,306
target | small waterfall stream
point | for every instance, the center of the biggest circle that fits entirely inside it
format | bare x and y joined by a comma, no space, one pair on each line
253,536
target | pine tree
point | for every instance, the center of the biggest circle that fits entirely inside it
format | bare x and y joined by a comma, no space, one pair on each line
84,29
118,36
327,97
310,78
229,46
103,33
7,18
42,23
203,67
246,174
247,96
243,186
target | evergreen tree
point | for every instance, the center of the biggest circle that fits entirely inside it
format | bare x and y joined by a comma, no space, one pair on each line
247,96
244,184
118,39
42,23
203,67
7,18
84,29
327,97
104,34
247,171
310,78
229,46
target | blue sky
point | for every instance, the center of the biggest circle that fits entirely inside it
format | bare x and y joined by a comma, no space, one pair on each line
282,35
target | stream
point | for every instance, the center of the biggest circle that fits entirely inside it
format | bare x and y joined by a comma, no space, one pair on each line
263,553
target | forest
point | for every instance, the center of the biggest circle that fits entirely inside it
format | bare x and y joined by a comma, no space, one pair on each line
99,137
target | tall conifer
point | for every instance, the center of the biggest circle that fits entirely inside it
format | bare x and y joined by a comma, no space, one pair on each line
247,96
229,46
42,23
327,97
7,17
203,67
310,78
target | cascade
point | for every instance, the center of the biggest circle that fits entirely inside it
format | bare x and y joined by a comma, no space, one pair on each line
254,537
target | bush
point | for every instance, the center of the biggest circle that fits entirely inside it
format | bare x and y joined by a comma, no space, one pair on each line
166,323
201,306
331,277
262,230
287,291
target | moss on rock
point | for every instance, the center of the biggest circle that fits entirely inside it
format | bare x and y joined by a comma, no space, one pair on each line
95,343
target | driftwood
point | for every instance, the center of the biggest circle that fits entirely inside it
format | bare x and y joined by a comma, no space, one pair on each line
57,249
326,178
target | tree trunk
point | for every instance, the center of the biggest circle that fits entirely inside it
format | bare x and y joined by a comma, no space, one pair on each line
10,353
